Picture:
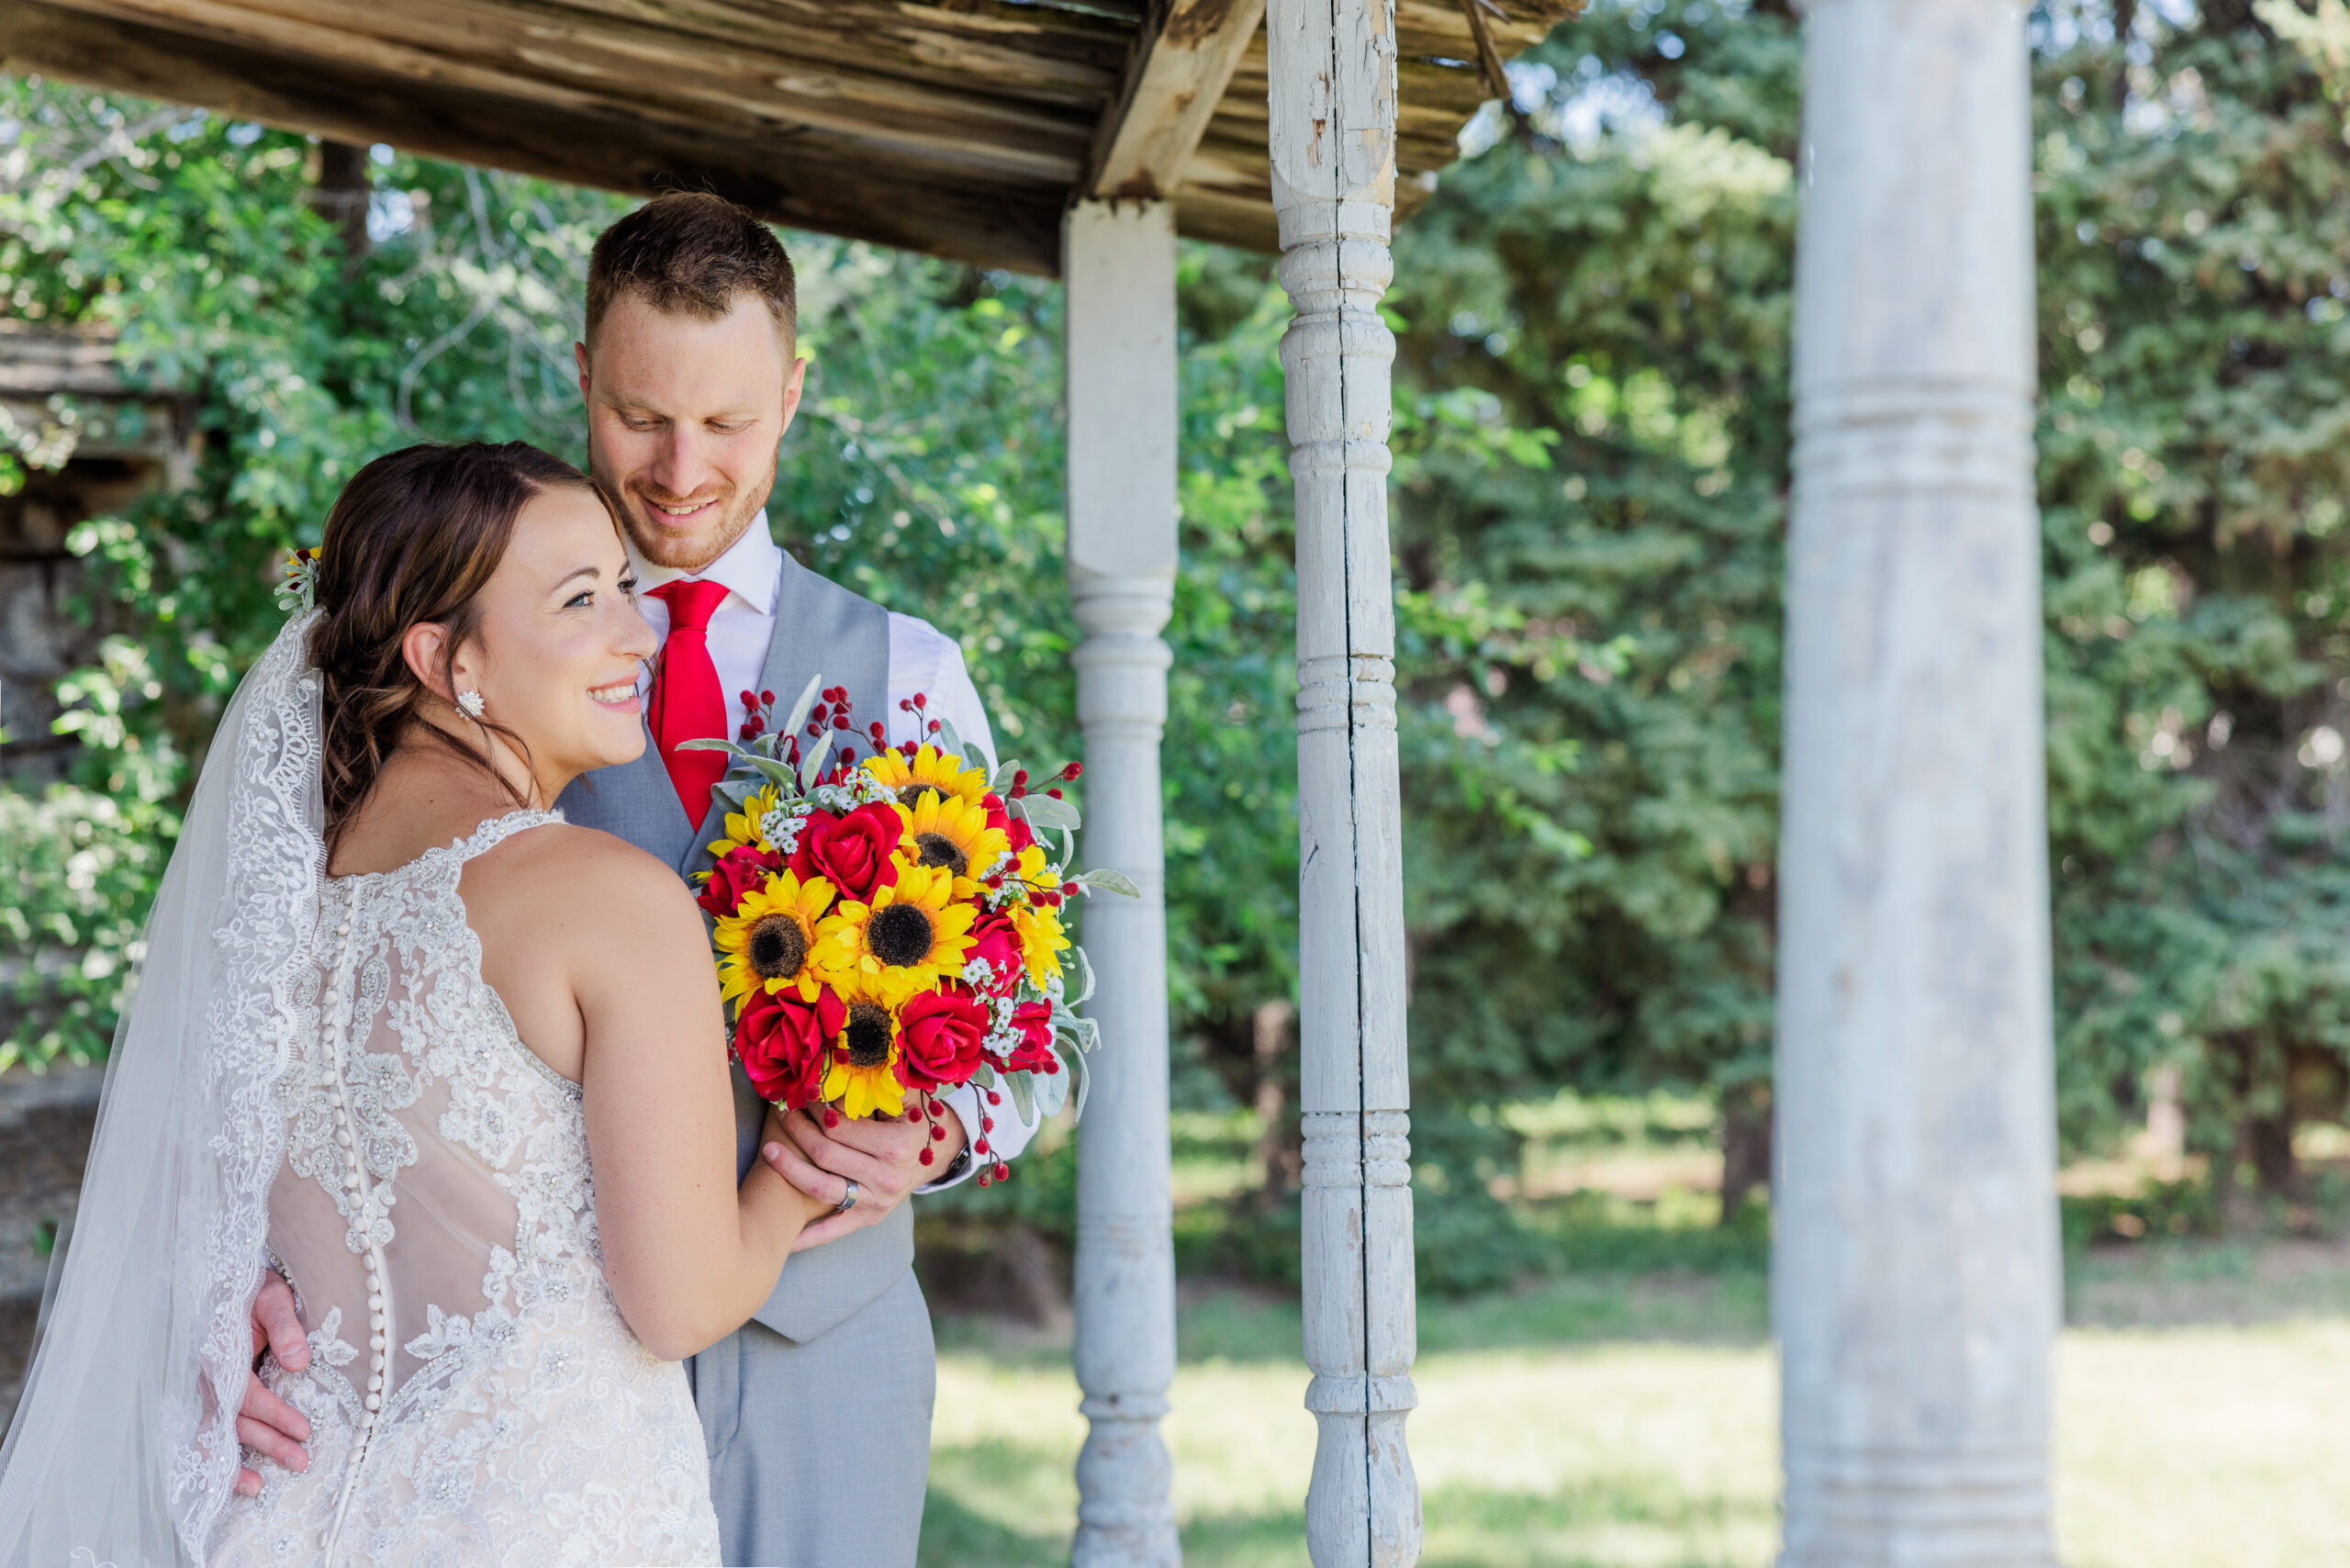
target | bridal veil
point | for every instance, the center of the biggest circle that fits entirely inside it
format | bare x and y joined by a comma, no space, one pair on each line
124,1447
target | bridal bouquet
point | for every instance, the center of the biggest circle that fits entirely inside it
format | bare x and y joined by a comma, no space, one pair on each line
892,927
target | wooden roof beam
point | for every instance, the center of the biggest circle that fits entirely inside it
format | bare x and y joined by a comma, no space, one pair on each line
1182,60
809,179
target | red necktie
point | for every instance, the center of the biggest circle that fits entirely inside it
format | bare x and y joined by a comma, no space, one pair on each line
687,704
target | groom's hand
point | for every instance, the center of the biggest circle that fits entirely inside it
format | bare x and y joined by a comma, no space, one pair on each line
264,1421
882,1156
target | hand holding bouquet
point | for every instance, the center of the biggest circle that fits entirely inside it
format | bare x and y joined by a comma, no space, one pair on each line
892,927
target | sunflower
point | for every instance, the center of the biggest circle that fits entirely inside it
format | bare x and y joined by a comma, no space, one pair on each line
953,831
862,1077
743,827
913,934
1041,941
928,771
771,938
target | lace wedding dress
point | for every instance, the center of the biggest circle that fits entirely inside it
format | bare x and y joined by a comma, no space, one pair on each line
475,1397
312,1071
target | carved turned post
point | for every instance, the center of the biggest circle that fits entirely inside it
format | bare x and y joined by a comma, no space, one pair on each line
1915,1281
1119,261
1332,69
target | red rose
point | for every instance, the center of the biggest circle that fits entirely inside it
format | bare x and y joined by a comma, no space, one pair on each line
994,939
851,852
737,872
781,1042
1034,1052
940,1033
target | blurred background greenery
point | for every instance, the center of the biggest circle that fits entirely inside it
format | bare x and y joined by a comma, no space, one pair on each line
1591,449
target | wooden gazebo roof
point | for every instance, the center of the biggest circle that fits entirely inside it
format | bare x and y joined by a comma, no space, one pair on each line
961,127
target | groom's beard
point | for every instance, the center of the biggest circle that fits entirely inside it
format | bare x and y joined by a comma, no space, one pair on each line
728,514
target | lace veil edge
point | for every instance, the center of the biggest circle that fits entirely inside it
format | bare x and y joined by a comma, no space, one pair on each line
124,1447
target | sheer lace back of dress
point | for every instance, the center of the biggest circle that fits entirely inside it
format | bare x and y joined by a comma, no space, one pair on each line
474,1393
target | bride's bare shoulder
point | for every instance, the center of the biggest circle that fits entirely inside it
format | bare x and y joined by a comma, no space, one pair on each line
583,875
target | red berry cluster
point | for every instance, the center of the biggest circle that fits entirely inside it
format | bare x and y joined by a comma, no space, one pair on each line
919,706
991,1170
758,707
1069,775
831,713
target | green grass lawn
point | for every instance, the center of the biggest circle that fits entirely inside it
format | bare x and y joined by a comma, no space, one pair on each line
1629,1421
1623,1414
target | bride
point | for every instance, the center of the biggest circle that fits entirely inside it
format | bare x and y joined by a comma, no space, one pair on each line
456,1069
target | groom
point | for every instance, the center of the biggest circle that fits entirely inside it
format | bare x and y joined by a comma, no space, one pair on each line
818,1410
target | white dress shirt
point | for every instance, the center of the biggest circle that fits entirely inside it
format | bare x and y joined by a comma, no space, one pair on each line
921,659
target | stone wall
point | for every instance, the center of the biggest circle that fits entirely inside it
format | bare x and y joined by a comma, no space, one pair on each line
93,446
38,640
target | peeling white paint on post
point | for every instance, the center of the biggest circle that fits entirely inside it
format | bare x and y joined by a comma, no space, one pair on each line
1915,1281
1119,263
1332,74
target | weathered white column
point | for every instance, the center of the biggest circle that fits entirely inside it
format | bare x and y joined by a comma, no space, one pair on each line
1915,1282
1119,263
1333,134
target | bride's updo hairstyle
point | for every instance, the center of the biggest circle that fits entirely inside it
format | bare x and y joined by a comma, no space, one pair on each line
414,537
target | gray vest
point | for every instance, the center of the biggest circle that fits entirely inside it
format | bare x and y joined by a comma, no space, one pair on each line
820,628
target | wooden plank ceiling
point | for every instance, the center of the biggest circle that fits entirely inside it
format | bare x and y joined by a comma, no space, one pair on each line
961,127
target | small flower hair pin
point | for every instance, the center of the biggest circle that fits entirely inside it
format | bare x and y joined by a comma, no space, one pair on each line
300,591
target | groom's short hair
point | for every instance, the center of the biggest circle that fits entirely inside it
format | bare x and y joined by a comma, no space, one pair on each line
690,254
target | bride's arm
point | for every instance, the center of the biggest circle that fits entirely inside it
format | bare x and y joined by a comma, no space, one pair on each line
689,1255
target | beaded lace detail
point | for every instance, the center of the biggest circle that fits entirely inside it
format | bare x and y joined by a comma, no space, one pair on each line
495,1408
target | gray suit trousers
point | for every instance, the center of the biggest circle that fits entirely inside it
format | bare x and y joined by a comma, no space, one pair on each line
819,1452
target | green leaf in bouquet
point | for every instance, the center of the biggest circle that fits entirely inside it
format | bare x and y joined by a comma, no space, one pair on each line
712,743
1052,1093
1005,776
1083,1078
1044,812
1023,1098
790,726
777,773
812,767
1083,1034
1085,978
1108,881
984,1076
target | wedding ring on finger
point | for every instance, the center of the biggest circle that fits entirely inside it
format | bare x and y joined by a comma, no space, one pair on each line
848,1197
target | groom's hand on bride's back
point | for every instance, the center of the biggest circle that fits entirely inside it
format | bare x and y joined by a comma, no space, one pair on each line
265,1423
882,1157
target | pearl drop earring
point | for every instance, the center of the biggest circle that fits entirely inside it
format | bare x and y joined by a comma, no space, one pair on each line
470,704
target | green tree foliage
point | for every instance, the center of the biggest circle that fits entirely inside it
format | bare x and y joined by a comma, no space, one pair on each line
2195,256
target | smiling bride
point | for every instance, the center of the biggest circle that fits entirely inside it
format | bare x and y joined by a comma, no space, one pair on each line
457,1068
